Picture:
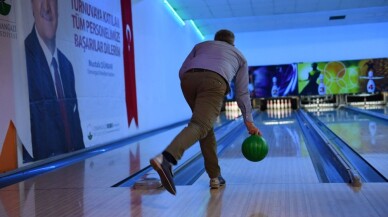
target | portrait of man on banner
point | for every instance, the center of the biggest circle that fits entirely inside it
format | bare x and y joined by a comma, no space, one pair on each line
54,114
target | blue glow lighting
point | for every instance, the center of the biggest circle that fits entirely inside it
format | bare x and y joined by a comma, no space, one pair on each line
197,30
175,13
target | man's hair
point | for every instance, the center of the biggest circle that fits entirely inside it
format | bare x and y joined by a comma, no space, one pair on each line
225,35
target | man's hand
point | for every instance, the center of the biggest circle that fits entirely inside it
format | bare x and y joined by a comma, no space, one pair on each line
252,129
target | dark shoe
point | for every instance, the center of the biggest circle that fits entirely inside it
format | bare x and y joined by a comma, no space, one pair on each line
217,182
164,169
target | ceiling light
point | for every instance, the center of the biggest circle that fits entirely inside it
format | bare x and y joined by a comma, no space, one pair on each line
180,20
197,30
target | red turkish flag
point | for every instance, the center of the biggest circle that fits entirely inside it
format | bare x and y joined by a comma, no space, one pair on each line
129,62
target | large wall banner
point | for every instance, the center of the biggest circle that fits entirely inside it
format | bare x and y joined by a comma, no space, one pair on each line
274,80
72,83
343,77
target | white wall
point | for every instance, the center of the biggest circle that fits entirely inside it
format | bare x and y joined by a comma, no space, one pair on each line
315,44
161,45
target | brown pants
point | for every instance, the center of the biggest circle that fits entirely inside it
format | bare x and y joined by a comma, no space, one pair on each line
204,92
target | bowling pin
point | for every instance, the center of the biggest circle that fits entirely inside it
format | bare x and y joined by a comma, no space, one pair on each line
370,86
321,86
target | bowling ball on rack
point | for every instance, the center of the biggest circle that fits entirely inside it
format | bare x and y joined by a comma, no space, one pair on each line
254,148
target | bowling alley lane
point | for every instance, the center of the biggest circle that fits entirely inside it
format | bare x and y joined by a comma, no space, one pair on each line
288,160
283,184
365,134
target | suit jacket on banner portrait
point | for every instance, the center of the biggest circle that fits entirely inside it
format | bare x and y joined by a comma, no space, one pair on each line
48,130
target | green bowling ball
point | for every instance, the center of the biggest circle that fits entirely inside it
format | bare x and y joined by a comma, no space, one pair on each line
254,148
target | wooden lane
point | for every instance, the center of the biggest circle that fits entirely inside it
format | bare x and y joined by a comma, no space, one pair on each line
366,135
287,161
255,199
109,168
284,184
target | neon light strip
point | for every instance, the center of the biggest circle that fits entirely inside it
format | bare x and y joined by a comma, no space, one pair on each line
175,13
197,30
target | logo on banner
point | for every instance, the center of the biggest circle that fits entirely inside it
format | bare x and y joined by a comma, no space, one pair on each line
4,8
7,25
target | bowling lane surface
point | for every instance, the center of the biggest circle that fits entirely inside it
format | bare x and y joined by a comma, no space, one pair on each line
365,134
291,188
288,160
